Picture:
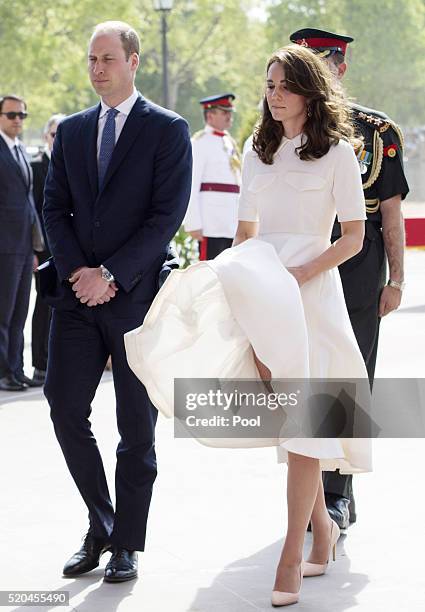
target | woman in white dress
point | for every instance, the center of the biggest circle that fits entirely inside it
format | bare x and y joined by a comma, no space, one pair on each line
273,304
303,170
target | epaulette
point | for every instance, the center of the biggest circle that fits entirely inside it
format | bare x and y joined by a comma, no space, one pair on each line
198,134
378,123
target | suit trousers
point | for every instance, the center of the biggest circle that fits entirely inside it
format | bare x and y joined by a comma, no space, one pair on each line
15,289
79,345
363,278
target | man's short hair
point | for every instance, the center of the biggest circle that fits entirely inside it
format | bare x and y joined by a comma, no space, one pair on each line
129,37
13,97
207,111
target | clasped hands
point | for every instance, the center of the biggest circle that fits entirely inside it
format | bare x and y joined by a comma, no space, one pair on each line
90,288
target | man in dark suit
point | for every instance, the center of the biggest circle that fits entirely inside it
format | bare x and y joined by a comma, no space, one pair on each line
18,228
116,192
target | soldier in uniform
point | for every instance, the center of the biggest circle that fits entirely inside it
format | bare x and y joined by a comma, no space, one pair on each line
211,216
363,277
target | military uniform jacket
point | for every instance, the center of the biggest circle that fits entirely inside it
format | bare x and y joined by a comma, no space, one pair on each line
381,160
216,164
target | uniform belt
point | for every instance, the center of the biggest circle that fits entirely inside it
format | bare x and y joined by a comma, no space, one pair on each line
223,187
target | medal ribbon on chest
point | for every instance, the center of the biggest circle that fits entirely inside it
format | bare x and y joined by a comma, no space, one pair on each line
364,158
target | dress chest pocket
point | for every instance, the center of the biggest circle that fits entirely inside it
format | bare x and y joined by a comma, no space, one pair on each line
260,182
310,198
305,181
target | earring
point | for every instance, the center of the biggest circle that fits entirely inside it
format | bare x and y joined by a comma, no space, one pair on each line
309,113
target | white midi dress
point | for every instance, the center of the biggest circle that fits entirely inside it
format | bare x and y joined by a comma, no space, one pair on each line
206,319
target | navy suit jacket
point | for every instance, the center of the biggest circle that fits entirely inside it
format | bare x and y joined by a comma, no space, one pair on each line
127,225
17,212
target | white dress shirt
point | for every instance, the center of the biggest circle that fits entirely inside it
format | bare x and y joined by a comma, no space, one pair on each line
123,111
11,142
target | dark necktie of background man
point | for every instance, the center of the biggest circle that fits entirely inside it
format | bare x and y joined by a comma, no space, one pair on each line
22,164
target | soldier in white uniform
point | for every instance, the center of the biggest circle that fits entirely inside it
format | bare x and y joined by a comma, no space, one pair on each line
211,216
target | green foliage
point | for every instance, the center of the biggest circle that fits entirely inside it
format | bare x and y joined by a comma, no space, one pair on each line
246,128
187,248
214,46
210,51
47,46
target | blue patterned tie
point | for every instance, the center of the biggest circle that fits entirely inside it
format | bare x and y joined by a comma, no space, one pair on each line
107,144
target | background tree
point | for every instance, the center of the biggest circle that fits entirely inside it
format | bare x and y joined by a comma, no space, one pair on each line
214,47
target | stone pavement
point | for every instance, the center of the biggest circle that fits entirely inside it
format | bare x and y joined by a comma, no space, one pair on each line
218,516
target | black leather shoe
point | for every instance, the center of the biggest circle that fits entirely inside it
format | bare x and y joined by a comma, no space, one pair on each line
39,376
9,383
338,508
87,558
27,381
121,566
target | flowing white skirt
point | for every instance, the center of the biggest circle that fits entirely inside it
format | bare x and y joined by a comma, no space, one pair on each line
206,321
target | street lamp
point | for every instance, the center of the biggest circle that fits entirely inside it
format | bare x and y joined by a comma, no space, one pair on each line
164,6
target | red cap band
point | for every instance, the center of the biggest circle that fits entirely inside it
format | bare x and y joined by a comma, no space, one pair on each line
220,102
317,43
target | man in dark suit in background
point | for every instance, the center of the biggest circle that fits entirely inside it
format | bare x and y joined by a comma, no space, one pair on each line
117,191
42,311
19,228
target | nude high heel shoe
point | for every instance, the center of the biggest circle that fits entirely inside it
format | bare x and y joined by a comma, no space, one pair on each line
317,569
280,598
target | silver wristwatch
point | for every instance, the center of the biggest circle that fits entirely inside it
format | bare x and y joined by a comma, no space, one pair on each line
106,275
396,285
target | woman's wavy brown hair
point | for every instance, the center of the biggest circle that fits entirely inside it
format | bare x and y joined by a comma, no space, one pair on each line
330,118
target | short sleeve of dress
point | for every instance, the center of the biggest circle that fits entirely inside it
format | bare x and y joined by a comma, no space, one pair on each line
248,209
347,185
